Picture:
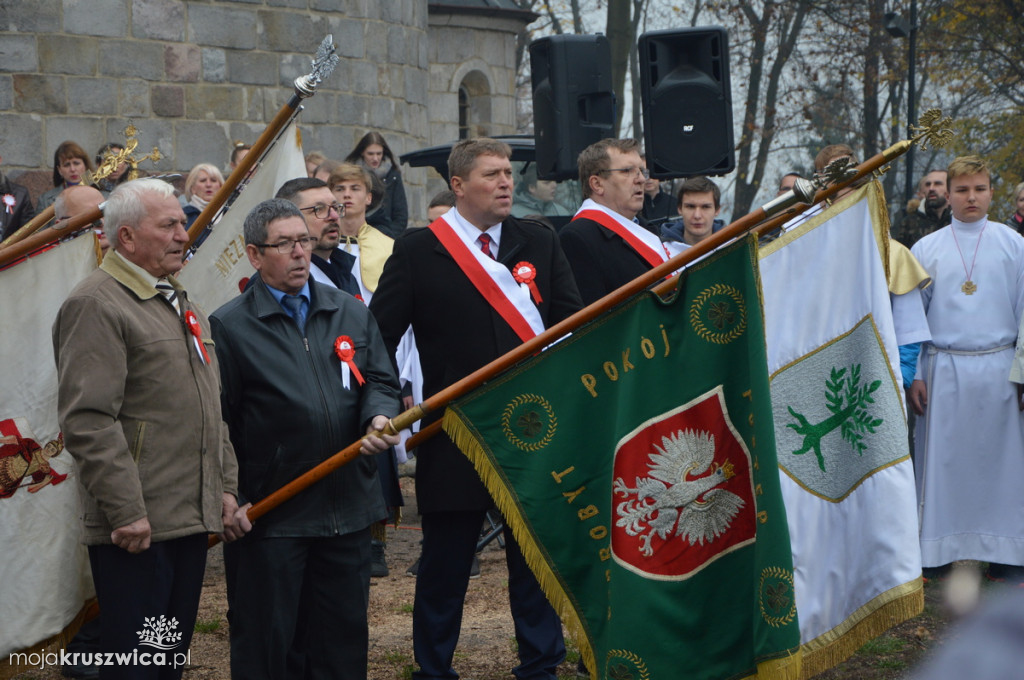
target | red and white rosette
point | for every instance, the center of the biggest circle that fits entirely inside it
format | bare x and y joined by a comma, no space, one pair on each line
526,273
197,336
9,202
346,351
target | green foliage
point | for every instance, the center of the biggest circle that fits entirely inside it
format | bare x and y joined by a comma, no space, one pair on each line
207,626
396,658
883,645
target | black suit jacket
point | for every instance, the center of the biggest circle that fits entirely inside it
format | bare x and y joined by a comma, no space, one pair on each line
457,331
20,214
601,260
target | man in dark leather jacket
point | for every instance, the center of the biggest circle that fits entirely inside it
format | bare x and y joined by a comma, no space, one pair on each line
305,373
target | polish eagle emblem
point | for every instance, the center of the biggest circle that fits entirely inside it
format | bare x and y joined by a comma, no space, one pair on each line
683,494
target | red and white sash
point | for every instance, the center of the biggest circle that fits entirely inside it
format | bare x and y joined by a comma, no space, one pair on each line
490,278
646,244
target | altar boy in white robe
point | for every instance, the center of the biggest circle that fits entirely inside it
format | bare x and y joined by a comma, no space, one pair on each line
970,440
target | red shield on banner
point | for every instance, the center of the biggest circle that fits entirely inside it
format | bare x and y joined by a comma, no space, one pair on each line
683,491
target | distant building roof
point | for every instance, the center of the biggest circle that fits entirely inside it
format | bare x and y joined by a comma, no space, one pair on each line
503,8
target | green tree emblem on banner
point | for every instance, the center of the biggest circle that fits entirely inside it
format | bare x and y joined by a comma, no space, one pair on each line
847,400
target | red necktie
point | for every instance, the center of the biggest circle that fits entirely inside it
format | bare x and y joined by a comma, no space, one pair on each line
485,245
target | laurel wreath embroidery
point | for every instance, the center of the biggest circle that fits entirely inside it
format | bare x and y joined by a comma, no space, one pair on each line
778,595
528,423
620,672
720,314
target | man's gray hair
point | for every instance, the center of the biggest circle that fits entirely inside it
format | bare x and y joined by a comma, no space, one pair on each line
125,204
255,226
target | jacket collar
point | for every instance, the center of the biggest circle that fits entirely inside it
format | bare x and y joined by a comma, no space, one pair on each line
266,306
143,288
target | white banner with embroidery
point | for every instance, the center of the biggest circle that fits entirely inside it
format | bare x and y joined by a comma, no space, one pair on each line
840,428
44,569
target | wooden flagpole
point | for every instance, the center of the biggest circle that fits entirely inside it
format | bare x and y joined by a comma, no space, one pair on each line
45,237
803,191
29,227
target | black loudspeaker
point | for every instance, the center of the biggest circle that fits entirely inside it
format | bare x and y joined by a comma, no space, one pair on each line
687,98
573,101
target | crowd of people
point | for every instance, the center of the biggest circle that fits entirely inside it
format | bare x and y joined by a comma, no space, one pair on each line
179,421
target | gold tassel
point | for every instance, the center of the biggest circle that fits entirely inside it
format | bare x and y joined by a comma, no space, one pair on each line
783,668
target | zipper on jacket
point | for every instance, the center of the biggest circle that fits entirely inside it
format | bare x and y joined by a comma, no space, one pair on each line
330,428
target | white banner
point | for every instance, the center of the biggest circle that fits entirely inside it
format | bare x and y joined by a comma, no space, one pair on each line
840,428
219,269
44,568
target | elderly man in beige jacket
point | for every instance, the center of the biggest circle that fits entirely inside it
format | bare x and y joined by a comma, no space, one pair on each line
139,405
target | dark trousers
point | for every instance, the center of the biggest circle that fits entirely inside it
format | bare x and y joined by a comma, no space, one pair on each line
163,581
298,607
449,542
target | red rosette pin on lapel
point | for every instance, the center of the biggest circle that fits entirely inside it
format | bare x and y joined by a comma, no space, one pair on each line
346,351
524,272
197,335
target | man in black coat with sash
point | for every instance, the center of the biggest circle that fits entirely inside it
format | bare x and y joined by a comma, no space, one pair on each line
453,282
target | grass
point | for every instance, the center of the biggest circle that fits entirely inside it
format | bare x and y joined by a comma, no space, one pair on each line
208,626
405,609
882,646
396,658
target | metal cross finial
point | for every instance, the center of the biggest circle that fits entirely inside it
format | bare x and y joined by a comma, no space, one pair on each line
112,159
323,65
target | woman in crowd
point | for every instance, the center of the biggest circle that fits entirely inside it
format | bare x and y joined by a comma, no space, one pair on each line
313,160
374,154
70,163
1016,221
201,184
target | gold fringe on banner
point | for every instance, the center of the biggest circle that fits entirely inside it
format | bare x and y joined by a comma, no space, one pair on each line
53,644
464,436
892,607
783,668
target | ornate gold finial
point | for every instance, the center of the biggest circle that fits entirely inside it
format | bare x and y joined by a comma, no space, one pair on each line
932,129
112,159
836,172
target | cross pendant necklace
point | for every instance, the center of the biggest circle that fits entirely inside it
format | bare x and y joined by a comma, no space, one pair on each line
969,287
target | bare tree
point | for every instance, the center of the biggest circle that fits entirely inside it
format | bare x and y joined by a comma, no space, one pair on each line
772,30
620,31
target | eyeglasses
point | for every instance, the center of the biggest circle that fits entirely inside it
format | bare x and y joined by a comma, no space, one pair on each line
631,171
285,247
322,210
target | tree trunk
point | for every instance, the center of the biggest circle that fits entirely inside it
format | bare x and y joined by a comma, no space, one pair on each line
620,37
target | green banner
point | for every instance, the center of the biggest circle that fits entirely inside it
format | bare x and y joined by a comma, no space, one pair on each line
635,462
